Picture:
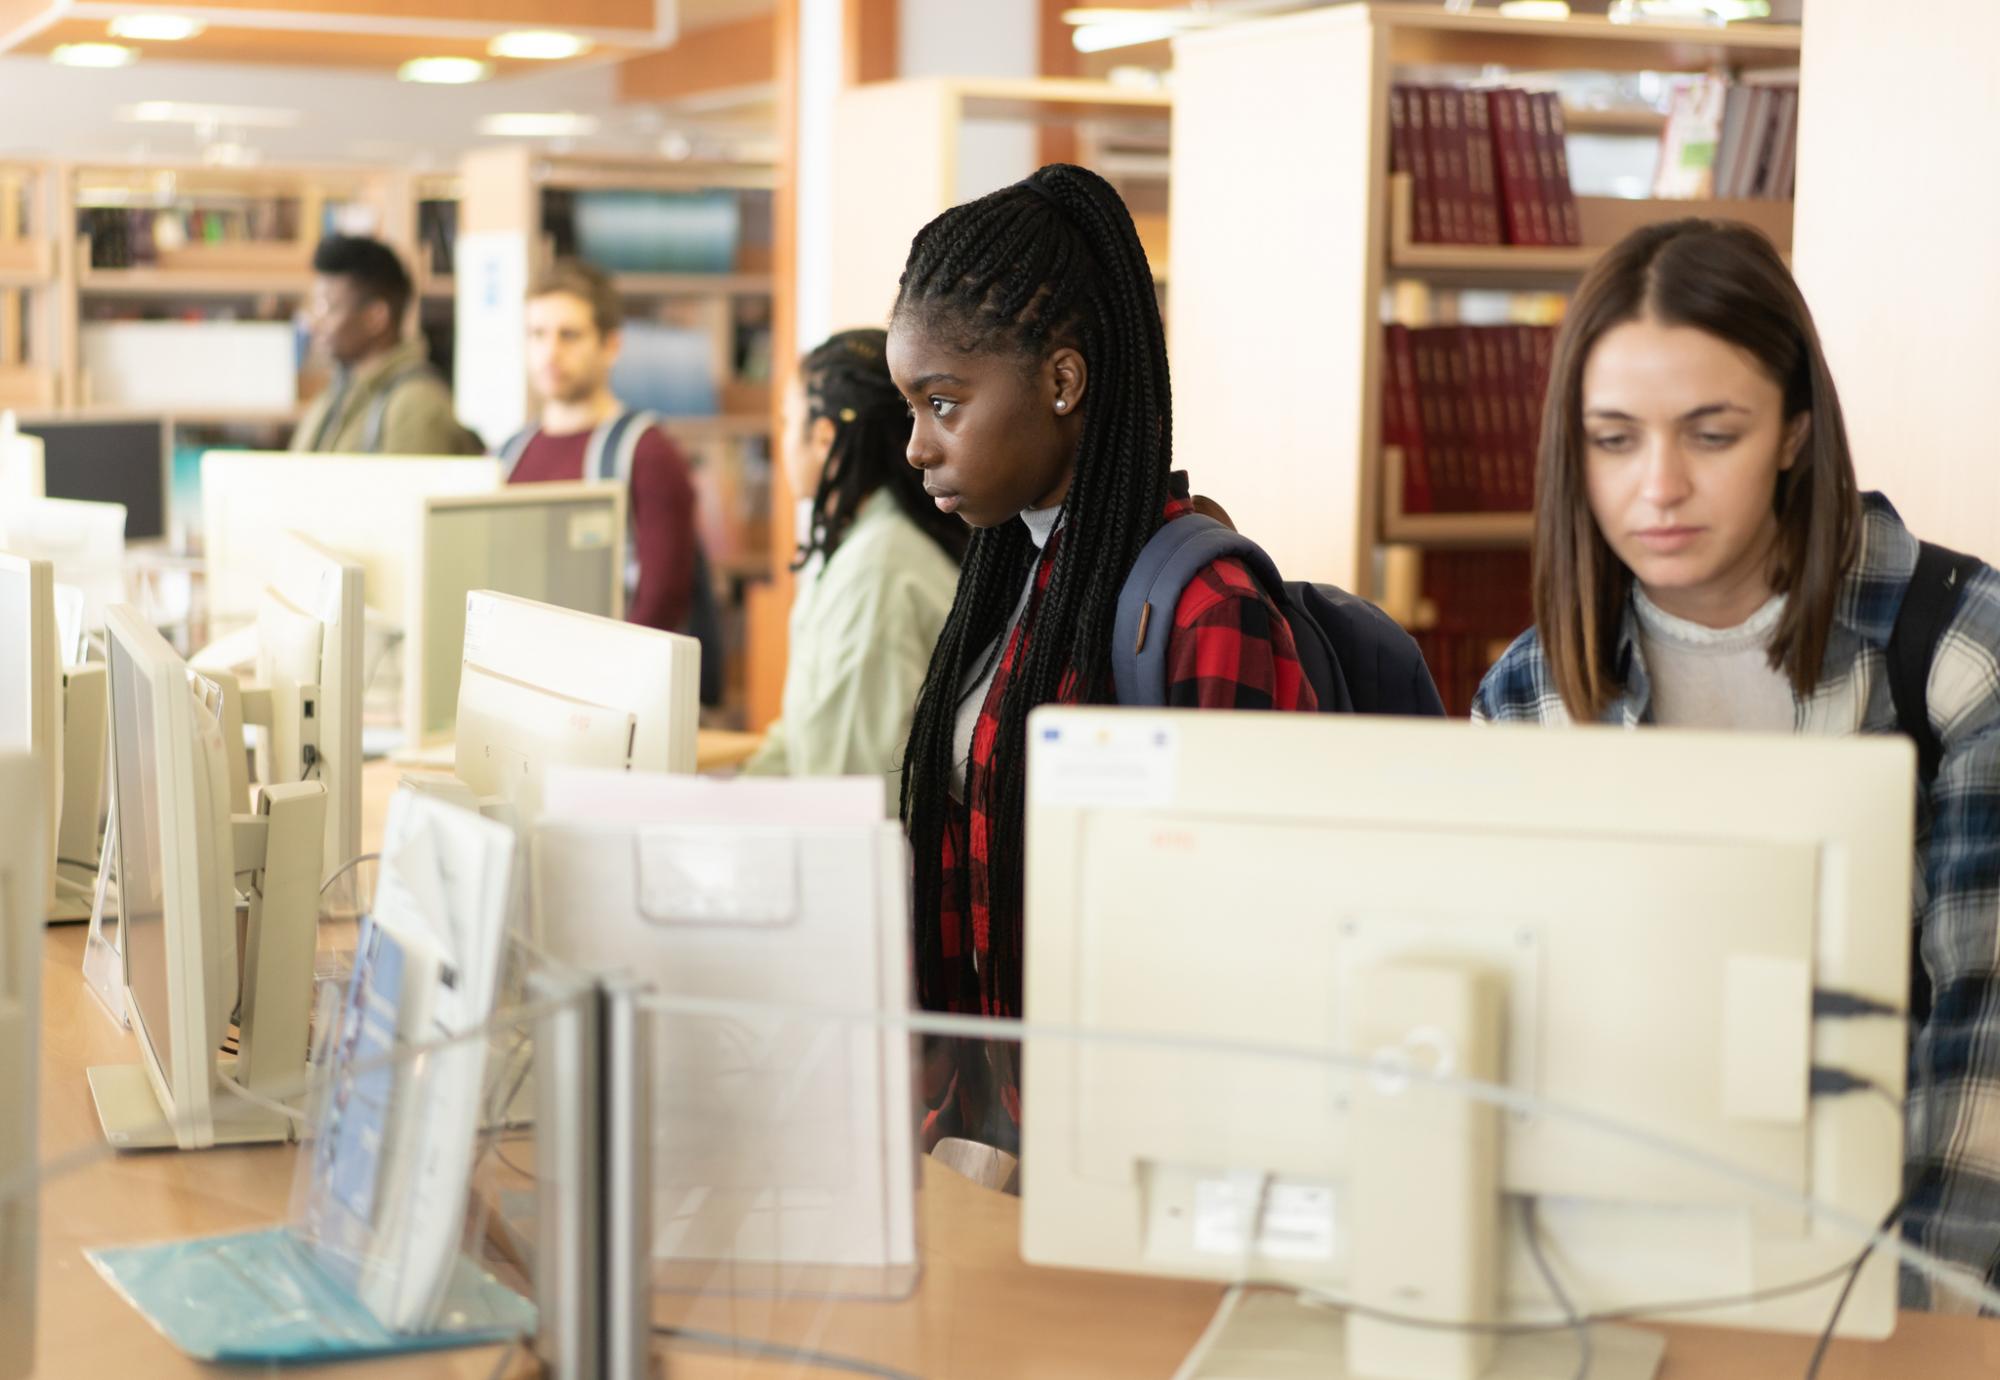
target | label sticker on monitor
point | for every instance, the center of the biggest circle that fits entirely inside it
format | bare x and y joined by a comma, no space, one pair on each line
1297,1225
1103,762
590,531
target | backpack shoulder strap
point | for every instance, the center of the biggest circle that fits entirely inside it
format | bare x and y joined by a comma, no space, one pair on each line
614,443
1927,609
1171,558
513,449
378,409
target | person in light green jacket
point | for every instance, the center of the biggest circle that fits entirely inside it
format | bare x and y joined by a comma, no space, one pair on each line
878,570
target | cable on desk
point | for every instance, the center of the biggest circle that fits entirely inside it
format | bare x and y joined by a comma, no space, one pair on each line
778,1351
346,868
1833,1319
257,1099
1548,1274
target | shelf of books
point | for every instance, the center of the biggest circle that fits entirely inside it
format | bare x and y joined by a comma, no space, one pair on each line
1394,312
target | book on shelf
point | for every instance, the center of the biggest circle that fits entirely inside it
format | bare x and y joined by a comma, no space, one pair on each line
1464,404
1729,141
1477,602
1487,165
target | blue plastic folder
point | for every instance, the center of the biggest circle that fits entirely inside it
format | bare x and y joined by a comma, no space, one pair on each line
263,1297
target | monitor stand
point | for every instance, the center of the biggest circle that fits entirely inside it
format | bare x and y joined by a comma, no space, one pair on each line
82,790
1424,1228
1278,1336
133,1118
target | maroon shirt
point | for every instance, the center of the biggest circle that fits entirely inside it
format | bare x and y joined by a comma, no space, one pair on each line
662,507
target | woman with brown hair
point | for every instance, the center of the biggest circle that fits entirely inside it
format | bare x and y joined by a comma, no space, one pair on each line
1704,559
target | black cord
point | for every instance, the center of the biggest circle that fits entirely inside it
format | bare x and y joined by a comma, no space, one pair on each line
1825,1081
1833,1320
1832,1004
1577,1324
778,1351
1633,1313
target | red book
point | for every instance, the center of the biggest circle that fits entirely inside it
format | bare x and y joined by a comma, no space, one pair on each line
1510,175
1457,363
1479,168
1565,195
1479,414
1521,411
1399,132
1439,419
1423,185
1400,401
1545,162
1531,168
1447,163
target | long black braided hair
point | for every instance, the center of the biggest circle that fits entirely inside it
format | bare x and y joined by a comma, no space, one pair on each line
1045,263
847,381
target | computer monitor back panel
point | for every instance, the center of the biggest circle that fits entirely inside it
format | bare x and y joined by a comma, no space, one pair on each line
175,856
22,864
31,710
510,733
656,675
110,462
289,647
561,544
332,588
83,541
368,507
1658,909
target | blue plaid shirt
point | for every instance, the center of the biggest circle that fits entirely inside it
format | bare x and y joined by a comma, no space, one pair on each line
1953,1125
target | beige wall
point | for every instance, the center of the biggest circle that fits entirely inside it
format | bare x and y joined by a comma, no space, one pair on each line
1897,245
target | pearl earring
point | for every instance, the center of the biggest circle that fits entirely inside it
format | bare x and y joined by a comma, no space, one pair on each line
1061,405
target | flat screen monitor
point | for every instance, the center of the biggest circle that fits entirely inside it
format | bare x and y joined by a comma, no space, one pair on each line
21,890
654,675
1652,914
175,888
110,462
31,690
312,617
561,544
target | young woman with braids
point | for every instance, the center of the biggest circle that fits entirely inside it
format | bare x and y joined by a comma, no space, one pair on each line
1027,341
877,566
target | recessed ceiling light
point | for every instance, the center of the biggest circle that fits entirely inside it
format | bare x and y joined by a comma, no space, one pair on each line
1535,9
538,45
549,124
1121,33
444,71
94,55
156,28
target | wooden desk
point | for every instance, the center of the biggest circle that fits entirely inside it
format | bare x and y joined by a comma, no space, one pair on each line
979,1313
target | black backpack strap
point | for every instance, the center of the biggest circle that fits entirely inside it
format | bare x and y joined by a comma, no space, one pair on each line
1171,558
1927,610
1928,606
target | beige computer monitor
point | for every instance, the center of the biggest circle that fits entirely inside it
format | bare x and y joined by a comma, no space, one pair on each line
31,690
22,862
655,675
367,507
561,544
84,541
1653,911
23,463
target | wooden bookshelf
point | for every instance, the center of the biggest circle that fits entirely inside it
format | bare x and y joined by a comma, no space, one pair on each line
1444,530
26,263
185,282
1604,221
1585,120
1279,284
693,284
879,204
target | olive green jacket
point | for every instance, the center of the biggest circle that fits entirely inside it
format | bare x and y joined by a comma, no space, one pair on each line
396,405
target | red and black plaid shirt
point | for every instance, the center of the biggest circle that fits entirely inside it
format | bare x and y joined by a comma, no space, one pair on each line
1230,649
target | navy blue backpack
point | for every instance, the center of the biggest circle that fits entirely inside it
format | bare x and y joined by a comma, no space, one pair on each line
1357,658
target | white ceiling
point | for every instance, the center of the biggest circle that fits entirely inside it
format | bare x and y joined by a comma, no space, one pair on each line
60,113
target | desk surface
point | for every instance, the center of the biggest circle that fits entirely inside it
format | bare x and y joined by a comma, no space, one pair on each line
979,1313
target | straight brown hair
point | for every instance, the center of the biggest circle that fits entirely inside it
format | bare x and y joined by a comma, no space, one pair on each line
589,283
1727,280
